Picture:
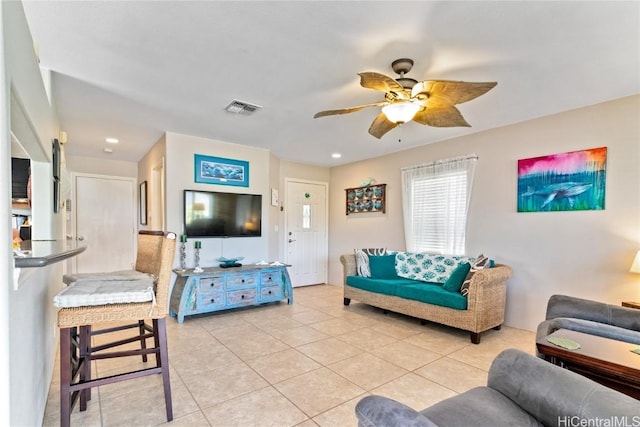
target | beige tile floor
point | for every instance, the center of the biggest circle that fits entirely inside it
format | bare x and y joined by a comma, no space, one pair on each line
305,364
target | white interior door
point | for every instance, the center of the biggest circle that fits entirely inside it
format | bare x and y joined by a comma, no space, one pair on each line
104,209
306,232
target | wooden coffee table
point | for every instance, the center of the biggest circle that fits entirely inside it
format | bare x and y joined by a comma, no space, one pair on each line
607,361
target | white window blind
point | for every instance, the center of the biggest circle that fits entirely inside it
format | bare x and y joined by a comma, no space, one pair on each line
435,203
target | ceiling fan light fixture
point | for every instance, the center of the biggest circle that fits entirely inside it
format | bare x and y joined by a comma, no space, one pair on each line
428,102
407,83
400,112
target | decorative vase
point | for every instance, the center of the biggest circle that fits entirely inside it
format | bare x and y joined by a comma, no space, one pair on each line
197,268
183,256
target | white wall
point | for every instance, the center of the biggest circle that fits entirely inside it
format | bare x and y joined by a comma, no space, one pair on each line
585,254
301,171
266,172
5,230
26,359
154,158
180,151
101,166
275,214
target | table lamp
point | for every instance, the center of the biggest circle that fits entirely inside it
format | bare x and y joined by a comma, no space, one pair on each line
635,266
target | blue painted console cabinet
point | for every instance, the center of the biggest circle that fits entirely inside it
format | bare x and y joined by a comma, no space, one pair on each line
216,288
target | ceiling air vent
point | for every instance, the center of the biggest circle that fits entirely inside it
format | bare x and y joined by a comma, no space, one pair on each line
241,107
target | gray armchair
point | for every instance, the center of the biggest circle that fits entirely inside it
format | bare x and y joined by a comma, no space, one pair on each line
591,317
521,390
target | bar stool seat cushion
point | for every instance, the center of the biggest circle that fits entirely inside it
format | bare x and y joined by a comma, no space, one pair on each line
100,292
67,279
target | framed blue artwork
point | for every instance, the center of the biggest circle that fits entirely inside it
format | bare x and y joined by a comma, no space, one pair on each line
573,181
218,170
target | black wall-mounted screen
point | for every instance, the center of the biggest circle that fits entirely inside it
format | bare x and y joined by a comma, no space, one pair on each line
20,170
217,214
55,149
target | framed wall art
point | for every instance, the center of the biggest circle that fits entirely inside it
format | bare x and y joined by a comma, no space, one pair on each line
218,170
572,181
143,203
370,198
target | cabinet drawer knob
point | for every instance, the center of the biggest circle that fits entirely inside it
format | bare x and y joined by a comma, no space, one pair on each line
242,296
212,284
242,280
213,300
269,292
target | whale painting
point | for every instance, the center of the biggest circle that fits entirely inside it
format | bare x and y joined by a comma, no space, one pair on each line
571,181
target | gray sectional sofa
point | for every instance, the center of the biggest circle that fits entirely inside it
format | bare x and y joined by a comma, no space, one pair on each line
590,317
480,310
521,390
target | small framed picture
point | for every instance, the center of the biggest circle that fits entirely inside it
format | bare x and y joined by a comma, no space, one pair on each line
143,203
218,170
370,198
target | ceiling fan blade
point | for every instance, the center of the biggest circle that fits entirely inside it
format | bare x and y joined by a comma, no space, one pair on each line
448,116
449,92
381,125
377,81
348,110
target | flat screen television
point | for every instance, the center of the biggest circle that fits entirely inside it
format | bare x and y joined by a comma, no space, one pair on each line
217,214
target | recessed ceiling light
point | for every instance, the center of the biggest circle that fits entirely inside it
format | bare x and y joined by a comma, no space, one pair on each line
108,150
336,155
112,140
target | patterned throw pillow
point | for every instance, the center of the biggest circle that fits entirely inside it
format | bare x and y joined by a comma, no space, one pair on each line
362,259
425,267
479,263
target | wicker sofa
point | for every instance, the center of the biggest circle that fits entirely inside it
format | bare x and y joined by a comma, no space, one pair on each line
485,300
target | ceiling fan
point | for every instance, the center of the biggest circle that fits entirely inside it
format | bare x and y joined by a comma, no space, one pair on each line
429,102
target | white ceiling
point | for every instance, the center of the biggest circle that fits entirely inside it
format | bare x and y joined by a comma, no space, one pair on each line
135,69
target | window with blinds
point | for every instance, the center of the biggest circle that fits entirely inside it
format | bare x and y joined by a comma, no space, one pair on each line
435,201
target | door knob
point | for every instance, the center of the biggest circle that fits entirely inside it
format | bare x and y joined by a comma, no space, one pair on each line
292,240
81,238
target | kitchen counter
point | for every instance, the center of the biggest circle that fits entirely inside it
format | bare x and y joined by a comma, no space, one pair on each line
40,253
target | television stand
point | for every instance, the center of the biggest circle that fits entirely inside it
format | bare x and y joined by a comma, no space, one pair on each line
221,288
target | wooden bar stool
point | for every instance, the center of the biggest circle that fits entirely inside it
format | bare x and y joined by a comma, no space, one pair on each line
155,256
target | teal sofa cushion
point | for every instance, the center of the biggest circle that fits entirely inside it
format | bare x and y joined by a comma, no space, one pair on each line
383,266
380,286
454,282
432,293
